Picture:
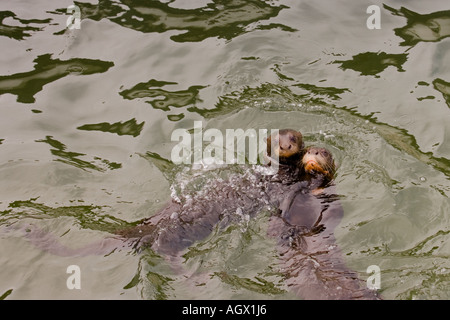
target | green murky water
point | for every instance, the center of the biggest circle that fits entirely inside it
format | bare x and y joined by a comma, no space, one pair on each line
87,116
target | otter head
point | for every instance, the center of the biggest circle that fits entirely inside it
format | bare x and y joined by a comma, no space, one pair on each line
319,161
287,145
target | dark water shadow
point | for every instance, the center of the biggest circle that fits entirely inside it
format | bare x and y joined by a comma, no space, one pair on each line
26,84
444,88
130,127
330,92
151,284
221,19
6,294
165,166
58,149
431,27
87,216
19,32
373,63
160,98
259,285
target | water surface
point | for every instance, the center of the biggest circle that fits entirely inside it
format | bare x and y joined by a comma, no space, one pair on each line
87,117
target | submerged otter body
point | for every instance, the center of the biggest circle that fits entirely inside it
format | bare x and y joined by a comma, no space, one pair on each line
304,229
179,225
308,213
310,259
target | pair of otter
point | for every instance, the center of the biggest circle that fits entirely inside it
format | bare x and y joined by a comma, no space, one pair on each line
180,224
307,211
306,216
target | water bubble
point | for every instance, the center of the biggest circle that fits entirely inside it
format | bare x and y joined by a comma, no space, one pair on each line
423,179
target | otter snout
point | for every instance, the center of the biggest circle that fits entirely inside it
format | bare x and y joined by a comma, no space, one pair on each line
286,146
318,160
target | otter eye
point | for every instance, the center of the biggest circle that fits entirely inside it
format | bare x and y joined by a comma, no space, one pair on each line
292,138
324,153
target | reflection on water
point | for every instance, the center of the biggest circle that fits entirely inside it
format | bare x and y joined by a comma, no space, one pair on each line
18,32
163,99
258,285
155,286
25,85
86,216
276,67
330,92
373,63
444,88
431,27
72,158
265,96
222,19
130,127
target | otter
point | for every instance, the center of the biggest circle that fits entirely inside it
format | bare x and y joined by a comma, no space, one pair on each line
287,145
304,228
179,225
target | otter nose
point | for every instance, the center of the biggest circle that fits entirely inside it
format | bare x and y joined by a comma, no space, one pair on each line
285,146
